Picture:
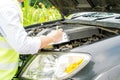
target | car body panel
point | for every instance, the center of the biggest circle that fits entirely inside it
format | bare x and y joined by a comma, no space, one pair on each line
105,56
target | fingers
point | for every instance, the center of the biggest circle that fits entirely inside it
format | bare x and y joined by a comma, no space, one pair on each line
56,35
60,29
60,32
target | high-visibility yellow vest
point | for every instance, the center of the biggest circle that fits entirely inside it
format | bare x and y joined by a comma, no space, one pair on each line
8,60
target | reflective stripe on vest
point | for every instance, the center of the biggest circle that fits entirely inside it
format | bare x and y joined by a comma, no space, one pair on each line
8,66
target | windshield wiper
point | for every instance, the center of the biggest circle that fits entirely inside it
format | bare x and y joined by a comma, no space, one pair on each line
84,15
103,18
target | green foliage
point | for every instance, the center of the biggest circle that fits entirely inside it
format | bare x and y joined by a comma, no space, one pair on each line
32,15
45,2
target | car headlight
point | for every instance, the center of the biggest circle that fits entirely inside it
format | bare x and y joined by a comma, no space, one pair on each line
56,65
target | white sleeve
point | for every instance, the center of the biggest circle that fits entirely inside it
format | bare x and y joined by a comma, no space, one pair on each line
13,31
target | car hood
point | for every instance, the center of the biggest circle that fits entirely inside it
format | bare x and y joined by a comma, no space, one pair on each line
67,7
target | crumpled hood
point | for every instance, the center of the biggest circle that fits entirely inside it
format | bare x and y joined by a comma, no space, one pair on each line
67,7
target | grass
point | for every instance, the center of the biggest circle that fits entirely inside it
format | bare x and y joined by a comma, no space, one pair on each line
33,15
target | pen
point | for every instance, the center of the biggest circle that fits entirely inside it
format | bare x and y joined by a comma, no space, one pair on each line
56,27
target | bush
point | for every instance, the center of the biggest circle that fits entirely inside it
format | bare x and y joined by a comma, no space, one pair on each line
32,15
35,3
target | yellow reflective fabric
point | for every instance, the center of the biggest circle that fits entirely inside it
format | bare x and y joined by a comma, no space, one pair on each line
7,74
2,39
8,59
8,55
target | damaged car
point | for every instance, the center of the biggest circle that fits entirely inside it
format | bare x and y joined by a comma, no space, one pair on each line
91,36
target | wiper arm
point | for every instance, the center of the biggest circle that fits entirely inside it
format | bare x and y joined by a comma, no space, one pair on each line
103,18
84,15
76,16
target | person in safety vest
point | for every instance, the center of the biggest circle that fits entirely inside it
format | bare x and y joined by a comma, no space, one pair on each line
14,39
